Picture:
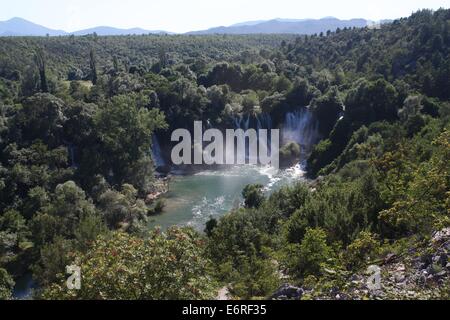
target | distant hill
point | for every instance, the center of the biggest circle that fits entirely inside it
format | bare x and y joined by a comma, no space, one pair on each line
111,31
22,27
306,26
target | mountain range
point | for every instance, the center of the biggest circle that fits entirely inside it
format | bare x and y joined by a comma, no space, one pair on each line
22,27
293,26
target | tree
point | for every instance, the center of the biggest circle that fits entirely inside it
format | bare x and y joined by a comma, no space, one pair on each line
371,101
418,193
253,196
311,256
39,59
164,266
327,109
41,117
364,250
124,132
290,154
300,94
93,66
211,224
6,285
69,204
123,210
54,257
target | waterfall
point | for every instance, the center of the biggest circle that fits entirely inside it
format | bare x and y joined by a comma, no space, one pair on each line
247,123
264,121
71,150
257,122
241,123
300,127
156,152
72,156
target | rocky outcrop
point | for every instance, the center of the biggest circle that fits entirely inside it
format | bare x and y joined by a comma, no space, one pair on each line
419,273
288,292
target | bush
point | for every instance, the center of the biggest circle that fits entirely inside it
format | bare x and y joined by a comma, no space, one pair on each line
289,154
168,266
362,251
6,285
311,256
253,196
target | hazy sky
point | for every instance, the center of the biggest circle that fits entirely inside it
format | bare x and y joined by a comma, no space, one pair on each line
188,15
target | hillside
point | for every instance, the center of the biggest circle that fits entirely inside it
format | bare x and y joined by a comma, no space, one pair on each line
78,118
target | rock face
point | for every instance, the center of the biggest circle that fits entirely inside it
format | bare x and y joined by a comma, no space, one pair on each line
288,292
441,236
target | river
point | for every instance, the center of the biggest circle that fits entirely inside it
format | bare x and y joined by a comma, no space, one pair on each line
192,200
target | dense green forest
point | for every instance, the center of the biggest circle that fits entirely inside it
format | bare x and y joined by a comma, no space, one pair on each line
76,121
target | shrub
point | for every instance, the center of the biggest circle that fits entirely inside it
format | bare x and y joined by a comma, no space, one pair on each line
121,267
364,249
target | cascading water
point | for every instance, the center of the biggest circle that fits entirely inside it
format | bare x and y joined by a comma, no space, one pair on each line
300,127
240,122
71,150
156,153
72,156
264,121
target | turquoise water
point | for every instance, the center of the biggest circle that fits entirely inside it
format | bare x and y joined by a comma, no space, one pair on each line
193,200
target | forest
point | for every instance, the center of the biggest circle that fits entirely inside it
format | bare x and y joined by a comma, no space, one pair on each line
77,116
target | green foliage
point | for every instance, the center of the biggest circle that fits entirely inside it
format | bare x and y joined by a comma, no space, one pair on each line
6,285
362,251
418,195
41,117
68,206
210,225
123,210
289,153
166,266
124,131
253,196
327,109
310,256
14,239
39,59
254,278
343,209
322,155
159,206
368,102
239,247
92,64
54,257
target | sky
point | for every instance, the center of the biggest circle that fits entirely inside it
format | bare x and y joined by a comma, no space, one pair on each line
190,15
